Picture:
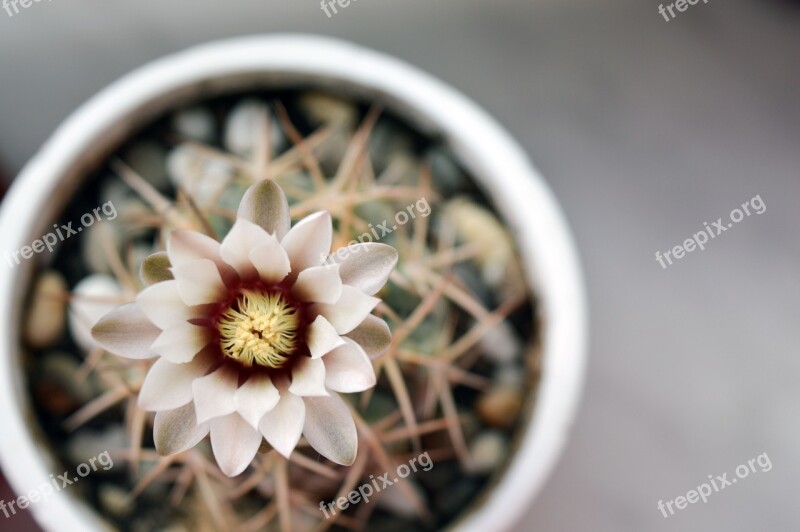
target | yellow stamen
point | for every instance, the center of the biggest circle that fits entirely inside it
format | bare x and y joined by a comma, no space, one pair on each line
259,328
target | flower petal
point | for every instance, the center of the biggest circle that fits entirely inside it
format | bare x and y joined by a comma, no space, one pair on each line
309,242
155,268
321,337
199,282
366,266
168,386
265,205
177,430
126,331
320,284
214,393
308,378
283,425
348,369
186,246
255,398
373,335
163,305
271,260
181,342
235,250
234,442
330,429
351,309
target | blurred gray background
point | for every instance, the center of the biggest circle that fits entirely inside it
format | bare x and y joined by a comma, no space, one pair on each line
645,129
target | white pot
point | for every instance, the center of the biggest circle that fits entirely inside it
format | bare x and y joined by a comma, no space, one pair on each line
483,147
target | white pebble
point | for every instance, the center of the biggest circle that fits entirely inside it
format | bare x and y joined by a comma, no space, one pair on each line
92,298
487,452
196,123
245,128
203,176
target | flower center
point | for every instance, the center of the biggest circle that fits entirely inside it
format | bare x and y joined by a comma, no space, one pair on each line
259,328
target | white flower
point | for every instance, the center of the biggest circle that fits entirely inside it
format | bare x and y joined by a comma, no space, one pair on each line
255,335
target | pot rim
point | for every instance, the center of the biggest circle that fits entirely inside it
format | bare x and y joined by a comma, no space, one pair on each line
481,145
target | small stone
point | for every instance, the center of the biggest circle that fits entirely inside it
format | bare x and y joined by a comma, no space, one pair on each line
329,153
246,126
457,496
469,274
399,502
179,527
477,225
487,451
46,319
92,298
114,499
62,370
501,343
114,231
115,190
87,444
196,123
302,520
97,239
204,176
323,109
446,175
403,168
388,142
148,159
500,406
510,374
59,388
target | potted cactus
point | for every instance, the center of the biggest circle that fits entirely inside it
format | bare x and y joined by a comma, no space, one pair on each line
304,286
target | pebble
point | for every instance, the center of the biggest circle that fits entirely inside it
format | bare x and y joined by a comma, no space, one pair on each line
501,343
84,312
59,388
204,176
323,109
510,374
476,224
386,143
245,125
44,324
115,190
148,159
88,443
96,239
119,231
115,500
398,501
456,498
446,176
488,451
500,407
63,369
196,123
